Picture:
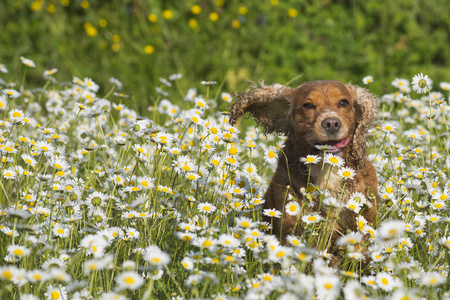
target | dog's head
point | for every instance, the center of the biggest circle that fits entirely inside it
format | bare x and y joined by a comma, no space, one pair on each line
315,113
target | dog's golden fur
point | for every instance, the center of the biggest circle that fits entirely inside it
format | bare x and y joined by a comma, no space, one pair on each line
315,113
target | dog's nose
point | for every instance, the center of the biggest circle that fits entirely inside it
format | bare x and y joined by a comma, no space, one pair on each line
332,124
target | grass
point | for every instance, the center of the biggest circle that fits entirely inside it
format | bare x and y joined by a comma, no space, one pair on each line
226,41
99,200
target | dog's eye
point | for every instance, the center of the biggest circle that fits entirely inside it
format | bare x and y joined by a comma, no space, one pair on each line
308,106
343,103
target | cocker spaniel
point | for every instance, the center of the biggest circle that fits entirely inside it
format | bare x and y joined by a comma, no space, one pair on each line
317,113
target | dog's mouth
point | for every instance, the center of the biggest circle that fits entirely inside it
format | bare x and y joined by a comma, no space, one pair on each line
333,147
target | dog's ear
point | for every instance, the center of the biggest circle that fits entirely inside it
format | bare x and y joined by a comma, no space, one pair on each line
366,108
269,105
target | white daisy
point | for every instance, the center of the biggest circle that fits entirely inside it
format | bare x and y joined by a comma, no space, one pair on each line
421,84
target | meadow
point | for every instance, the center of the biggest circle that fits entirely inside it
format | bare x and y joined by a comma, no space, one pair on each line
122,179
100,202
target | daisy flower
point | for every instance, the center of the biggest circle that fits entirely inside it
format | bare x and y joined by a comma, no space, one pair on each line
60,231
354,290
204,242
279,253
347,173
230,160
129,280
112,295
312,218
385,281
445,241
438,205
37,276
16,115
432,279
433,218
391,230
354,206
9,174
155,256
443,196
292,208
28,297
333,160
206,207
226,97
376,256
187,263
327,286
445,86
388,127
270,155
272,213
28,62
43,146
310,159
245,222
349,239
163,138
56,292
323,147
367,79
421,84
250,169
413,134
207,83
48,73
403,294
12,93
19,251
400,83
229,241
94,244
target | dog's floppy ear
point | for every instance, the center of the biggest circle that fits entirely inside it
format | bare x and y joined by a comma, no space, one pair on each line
269,105
366,108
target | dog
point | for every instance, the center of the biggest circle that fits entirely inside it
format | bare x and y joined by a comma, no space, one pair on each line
317,113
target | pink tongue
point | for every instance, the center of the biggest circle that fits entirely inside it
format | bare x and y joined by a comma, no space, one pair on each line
341,144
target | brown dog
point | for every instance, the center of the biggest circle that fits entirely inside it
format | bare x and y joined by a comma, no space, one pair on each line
316,113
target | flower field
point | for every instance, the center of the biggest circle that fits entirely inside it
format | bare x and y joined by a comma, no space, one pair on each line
99,201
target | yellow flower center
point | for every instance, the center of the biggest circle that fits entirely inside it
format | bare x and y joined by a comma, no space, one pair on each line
245,224
18,252
129,280
55,295
312,218
334,160
280,254
233,151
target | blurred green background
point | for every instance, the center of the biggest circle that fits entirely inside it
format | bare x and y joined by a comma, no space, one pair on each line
226,41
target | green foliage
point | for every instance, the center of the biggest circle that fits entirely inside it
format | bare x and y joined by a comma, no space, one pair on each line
270,40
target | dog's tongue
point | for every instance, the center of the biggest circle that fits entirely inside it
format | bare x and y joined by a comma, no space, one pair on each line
340,144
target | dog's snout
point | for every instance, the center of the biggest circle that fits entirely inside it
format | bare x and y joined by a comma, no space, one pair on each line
332,124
